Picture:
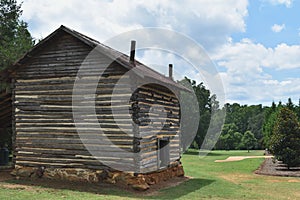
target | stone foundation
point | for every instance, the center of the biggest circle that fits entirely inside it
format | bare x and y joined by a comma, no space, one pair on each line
136,181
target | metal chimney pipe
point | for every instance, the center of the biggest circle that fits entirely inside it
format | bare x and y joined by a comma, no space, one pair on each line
171,71
132,50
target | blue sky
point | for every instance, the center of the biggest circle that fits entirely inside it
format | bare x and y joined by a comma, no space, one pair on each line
253,44
263,15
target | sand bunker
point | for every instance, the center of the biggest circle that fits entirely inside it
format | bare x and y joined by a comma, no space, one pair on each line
238,158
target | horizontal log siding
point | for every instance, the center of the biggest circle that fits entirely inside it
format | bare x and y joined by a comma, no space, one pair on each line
162,120
45,130
5,110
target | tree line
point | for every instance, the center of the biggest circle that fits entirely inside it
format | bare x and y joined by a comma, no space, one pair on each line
15,40
282,132
245,127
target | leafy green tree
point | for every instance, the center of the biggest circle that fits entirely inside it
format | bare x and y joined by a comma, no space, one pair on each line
237,114
255,125
229,128
15,39
224,141
268,126
229,140
249,141
255,122
255,118
285,141
237,140
190,120
247,118
206,103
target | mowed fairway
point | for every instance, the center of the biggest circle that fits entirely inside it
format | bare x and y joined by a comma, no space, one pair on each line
235,180
227,180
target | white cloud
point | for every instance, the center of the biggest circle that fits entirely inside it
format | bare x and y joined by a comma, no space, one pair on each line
254,56
284,57
287,3
242,58
277,28
98,19
209,22
262,89
245,77
182,67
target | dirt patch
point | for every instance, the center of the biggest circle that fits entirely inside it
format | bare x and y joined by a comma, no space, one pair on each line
235,178
283,180
16,186
268,167
5,175
294,181
238,158
154,190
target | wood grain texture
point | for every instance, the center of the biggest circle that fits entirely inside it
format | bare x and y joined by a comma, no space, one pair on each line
130,121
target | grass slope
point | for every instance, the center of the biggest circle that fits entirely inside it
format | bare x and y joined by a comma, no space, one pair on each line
229,180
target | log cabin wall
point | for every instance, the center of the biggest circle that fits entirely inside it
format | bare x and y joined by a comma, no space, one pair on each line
43,123
5,118
5,109
156,110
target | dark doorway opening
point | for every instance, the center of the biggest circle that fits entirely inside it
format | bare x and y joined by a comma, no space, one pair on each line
6,136
163,152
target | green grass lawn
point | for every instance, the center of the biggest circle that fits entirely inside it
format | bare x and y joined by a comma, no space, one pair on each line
229,180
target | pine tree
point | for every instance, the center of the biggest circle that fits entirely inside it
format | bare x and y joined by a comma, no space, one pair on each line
290,104
15,39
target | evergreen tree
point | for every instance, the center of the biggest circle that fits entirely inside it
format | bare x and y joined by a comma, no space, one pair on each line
285,141
298,110
15,39
273,106
290,104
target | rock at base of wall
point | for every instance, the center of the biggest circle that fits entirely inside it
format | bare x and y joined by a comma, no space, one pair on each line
139,182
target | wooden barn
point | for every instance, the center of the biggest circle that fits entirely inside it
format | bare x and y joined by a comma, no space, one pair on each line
143,134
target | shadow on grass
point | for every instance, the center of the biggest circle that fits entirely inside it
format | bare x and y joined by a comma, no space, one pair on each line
96,188
215,154
194,152
182,189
